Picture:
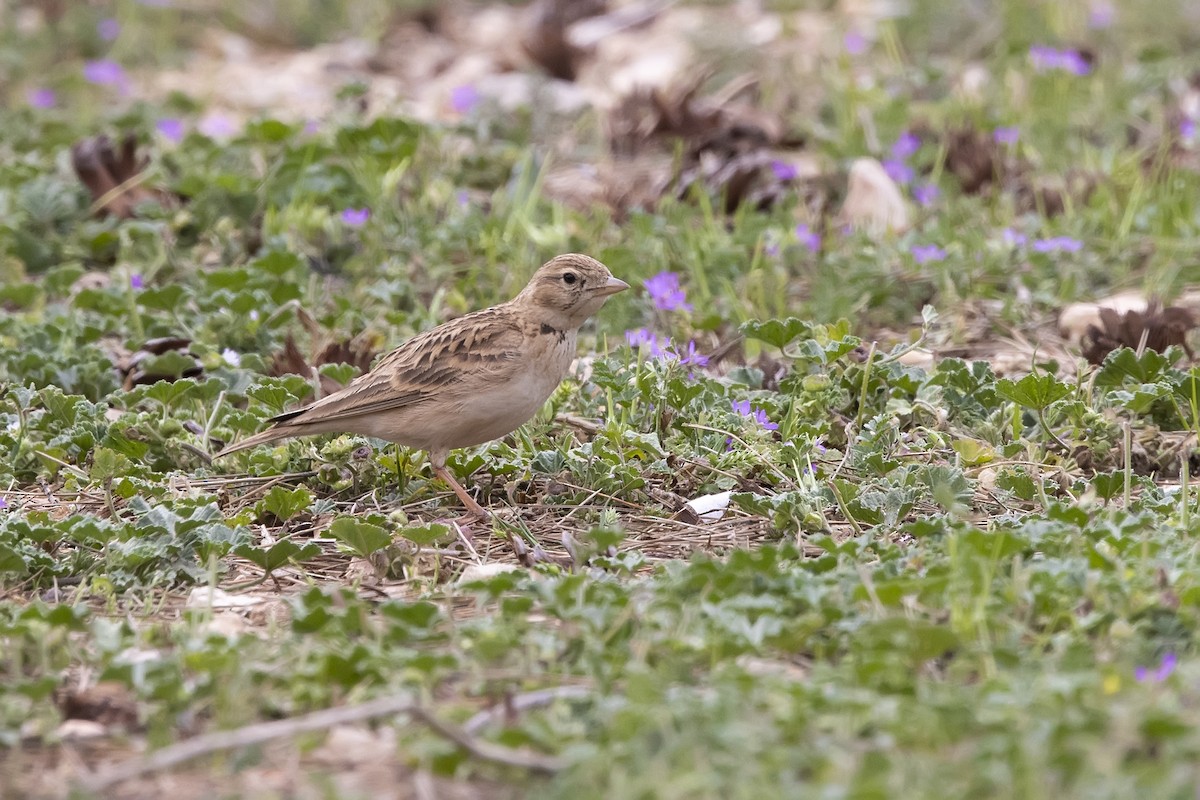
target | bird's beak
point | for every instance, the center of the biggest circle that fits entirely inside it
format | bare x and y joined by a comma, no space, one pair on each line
613,286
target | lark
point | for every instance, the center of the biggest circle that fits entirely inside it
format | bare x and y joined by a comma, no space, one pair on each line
469,380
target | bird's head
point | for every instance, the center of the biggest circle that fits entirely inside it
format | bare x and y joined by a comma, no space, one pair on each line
568,289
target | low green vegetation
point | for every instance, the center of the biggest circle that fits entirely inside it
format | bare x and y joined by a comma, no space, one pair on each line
951,578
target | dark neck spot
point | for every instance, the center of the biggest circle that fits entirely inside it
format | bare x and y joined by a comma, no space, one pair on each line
548,329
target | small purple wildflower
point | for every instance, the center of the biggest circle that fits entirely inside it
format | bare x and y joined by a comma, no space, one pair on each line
743,408
41,98
108,29
1163,671
171,129
1013,238
312,126
136,282
689,357
356,217
641,336
925,253
1187,129
771,248
463,198
3,503
898,171
1101,15
216,125
1057,244
1006,135
1047,58
906,145
784,171
667,294
926,194
106,73
1074,63
855,43
463,99
808,237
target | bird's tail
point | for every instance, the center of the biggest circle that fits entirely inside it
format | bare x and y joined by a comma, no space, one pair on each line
269,435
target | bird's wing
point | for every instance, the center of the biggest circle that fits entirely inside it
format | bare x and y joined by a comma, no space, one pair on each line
452,358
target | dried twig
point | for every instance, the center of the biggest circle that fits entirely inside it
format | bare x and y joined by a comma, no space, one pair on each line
260,733
524,702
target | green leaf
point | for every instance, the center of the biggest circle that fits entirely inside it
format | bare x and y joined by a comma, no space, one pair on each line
424,535
171,364
361,538
776,332
169,392
1124,365
1033,391
1108,484
165,298
11,560
286,503
275,398
282,552
108,464
278,263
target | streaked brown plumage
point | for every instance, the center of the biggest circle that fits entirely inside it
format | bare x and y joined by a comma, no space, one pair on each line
469,380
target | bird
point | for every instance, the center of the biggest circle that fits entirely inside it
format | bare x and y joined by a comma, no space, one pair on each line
467,381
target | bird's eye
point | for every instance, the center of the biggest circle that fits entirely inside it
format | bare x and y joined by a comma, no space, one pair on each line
569,278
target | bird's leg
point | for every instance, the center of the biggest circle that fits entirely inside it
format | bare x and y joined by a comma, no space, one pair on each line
477,511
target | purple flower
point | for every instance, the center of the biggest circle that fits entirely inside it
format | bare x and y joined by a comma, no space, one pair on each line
771,248
463,99
1013,238
906,145
641,336
809,238
356,217
1163,671
216,125
108,28
312,126
1047,58
1057,244
3,503
1006,135
463,198
689,357
926,193
1043,57
1187,128
41,98
136,281
784,171
743,408
665,291
761,418
898,171
924,253
1074,63
1101,15
855,43
106,73
170,128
